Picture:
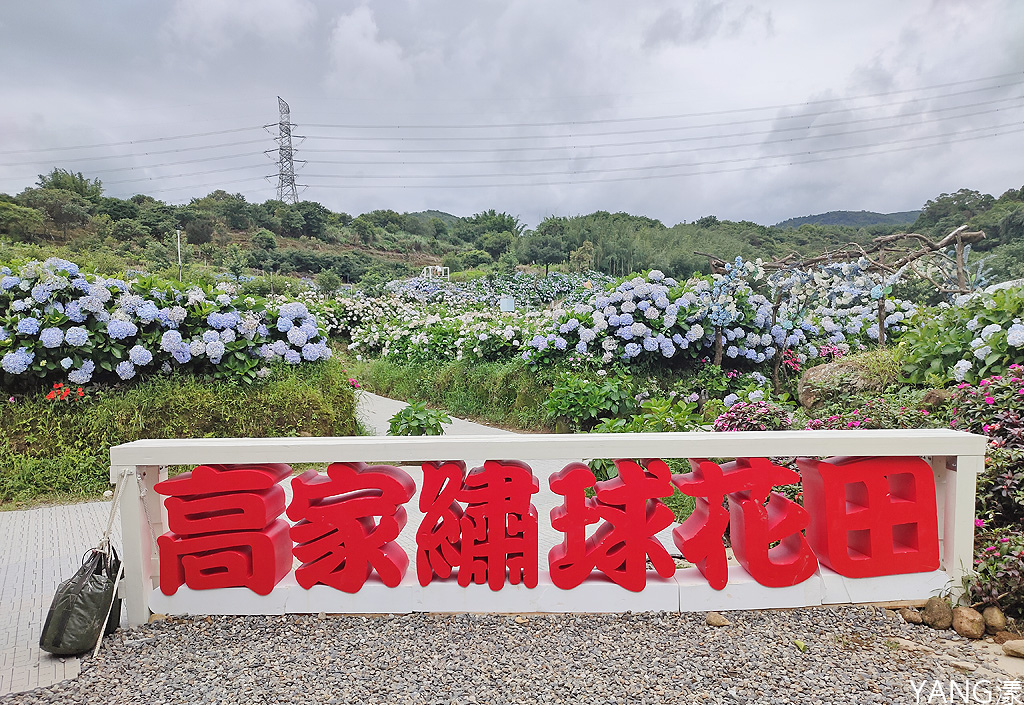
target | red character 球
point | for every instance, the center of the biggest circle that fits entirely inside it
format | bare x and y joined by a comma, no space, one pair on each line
632,515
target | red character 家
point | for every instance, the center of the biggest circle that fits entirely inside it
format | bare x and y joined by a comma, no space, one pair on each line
337,536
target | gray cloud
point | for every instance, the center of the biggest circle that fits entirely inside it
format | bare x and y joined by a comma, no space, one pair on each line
139,76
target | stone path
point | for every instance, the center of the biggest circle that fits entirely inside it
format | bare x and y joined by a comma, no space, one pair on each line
38,549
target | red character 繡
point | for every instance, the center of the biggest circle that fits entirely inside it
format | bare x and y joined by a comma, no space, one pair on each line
631,513
338,537
482,522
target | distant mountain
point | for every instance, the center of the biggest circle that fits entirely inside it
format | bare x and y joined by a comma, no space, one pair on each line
854,219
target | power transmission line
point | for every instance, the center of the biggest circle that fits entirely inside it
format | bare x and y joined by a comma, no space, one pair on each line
178,150
131,142
657,130
665,176
649,118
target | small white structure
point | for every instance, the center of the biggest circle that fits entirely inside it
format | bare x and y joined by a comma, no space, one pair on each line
956,458
435,272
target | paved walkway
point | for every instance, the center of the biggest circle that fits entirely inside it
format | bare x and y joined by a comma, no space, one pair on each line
38,549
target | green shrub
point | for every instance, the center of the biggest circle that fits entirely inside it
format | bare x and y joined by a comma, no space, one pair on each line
59,449
417,420
582,401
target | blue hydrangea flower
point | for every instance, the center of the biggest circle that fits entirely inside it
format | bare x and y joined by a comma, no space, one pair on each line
17,361
67,363
139,356
310,353
284,324
292,357
51,337
28,326
9,282
125,369
632,350
4,335
182,354
83,375
170,341
119,330
297,337
215,351
147,312
76,336
210,336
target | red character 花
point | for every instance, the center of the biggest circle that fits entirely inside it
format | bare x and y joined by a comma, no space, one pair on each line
747,482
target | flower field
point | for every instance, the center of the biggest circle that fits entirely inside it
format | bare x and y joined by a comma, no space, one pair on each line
57,324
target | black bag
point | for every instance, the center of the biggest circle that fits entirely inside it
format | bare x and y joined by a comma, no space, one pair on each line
81,605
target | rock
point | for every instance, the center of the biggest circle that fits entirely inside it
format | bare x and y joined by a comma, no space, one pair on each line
935,399
522,620
937,613
911,615
1003,637
848,376
1014,648
157,617
715,619
995,620
968,622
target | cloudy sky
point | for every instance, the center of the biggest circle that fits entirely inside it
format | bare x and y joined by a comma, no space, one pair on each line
745,110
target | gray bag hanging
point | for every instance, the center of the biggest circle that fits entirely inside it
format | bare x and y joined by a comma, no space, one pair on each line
83,605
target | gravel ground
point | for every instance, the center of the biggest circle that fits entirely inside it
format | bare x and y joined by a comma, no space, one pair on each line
853,655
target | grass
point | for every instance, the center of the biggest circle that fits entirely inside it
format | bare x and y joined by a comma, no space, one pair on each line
61,450
505,394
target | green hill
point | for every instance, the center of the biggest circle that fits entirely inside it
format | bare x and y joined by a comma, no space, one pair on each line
852,219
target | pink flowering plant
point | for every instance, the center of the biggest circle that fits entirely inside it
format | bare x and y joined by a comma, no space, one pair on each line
998,577
993,407
874,413
754,416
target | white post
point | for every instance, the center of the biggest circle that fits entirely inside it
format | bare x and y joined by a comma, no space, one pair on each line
958,528
140,505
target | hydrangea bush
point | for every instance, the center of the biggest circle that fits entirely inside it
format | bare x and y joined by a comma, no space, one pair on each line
980,335
58,324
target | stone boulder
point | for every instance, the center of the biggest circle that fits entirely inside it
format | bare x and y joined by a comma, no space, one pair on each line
995,620
1014,648
937,613
911,616
968,622
846,375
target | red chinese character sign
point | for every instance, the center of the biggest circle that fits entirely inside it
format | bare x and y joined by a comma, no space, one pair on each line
224,528
747,482
631,514
872,516
338,535
491,538
862,517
